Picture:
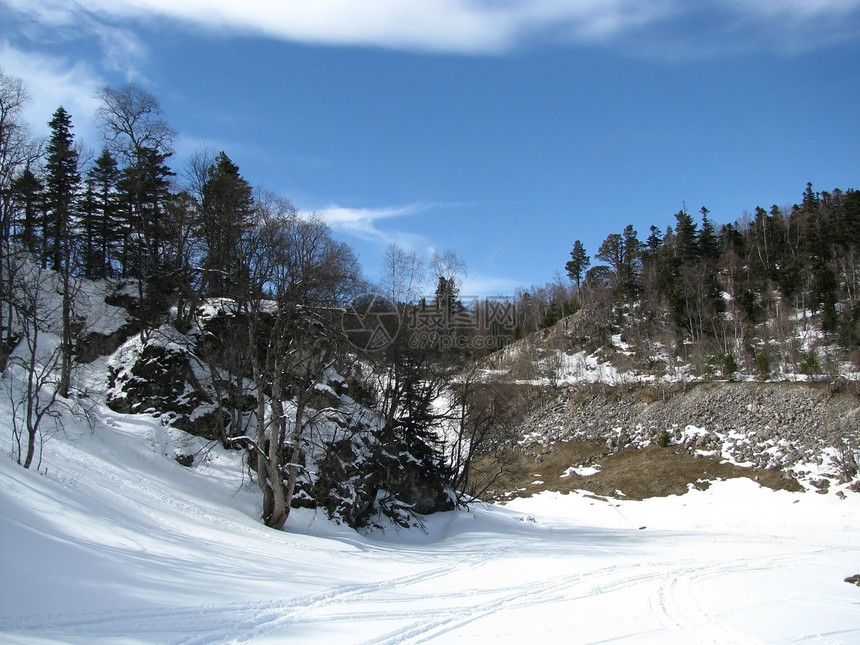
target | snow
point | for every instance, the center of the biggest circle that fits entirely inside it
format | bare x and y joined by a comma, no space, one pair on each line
112,541
582,471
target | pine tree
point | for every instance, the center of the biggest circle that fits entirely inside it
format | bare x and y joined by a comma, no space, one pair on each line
226,215
61,185
62,180
578,263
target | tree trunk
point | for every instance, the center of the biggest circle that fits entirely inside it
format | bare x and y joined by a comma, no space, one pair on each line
295,453
276,424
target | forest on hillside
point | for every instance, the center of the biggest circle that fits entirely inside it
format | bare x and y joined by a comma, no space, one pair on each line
776,287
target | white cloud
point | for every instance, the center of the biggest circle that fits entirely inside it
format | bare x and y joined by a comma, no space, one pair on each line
362,223
797,9
474,26
466,26
122,50
52,82
794,26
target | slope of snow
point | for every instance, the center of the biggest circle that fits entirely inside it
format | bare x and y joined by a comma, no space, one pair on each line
112,541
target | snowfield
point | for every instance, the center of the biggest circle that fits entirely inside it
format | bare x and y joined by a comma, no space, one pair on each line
112,541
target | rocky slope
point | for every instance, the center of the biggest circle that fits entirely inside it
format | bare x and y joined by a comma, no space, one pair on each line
810,432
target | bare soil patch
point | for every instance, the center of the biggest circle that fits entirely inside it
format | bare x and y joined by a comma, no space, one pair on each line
632,473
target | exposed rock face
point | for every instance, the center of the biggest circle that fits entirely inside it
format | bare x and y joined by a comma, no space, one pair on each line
356,472
766,425
154,376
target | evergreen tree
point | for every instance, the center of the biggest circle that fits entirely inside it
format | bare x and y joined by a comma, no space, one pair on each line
143,187
708,242
655,239
446,294
61,185
144,191
621,253
28,195
613,252
632,261
686,238
578,263
62,180
99,216
226,215
732,240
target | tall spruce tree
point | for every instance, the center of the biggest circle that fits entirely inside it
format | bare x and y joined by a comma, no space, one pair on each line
62,180
708,242
686,238
226,215
144,189
98,219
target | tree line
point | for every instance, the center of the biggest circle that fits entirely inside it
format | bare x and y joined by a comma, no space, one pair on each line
125,216
738,293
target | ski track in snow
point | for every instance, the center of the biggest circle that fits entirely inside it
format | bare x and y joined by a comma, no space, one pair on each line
427,617
113,502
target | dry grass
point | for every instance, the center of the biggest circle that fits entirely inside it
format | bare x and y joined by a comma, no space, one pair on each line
638,473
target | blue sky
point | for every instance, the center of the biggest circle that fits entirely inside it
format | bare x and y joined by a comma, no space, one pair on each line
503,130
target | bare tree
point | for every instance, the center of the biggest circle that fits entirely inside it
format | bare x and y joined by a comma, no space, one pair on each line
449,265
132,122
197,170
402,274
32,378
488,413
136,132
17,153
298,279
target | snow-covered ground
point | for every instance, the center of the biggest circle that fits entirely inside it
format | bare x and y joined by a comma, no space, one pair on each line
112,541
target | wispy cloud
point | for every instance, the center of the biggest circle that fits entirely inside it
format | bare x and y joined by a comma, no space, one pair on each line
465,26
362,223
796,9
792,26
122,51
51,82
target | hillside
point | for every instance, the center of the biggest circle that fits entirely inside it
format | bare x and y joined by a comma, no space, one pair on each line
128,529
643,423
111,540
648,440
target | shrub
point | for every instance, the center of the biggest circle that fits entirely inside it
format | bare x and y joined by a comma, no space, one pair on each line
729,367
762,363
663,439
